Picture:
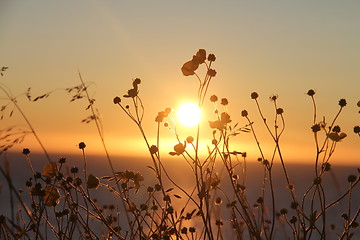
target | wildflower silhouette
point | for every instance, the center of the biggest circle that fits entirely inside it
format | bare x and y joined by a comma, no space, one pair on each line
50,170
51,197
92,182
191,66
127,176
217,202
132,93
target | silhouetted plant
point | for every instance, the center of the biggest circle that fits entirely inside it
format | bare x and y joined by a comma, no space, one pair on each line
59,200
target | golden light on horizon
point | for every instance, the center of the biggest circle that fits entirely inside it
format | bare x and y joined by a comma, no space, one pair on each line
188,114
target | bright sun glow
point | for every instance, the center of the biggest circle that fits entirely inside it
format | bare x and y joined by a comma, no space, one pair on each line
188,114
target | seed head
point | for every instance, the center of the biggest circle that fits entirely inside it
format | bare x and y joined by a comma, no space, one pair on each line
211,72
153,149
279,111
315,128
26,151
342,102
224,101
254,95
244,113
352,178
311,92
137,81
336,129
213,98
82,145
189,139
117,100
211,57
283,211
357,129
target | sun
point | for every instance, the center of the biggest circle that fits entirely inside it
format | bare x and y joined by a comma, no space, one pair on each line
188,114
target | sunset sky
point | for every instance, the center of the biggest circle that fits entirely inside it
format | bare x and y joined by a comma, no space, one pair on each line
271,47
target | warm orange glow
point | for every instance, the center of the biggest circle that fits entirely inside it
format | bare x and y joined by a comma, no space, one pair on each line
188,114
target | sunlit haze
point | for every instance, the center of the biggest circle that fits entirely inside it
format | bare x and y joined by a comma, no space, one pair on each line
271,47
188,114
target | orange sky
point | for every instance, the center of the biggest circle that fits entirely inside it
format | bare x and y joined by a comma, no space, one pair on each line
279,47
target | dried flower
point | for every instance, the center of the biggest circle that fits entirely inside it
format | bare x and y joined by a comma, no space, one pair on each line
213,98
294,205
211,72
189,139
244,113
201,55
336,137
179,148
77,182
51,197
336,129
26,151
357,129
221,124
137,81
153,149
132,93
117,100
136,177
283,211
184,230
82,145
62,160
211,57
50,170
274,97
352,178
74,170
224,101
342,102
190,67
279,111
160,117
92,182
315,128
219,223
168,110
311,92
293,220
225,118
326,167
158,187
254,95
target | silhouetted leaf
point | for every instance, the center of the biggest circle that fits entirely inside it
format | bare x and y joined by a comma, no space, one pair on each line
92,182
50,170
51,197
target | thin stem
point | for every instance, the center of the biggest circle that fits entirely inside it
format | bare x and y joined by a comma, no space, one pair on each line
13,100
